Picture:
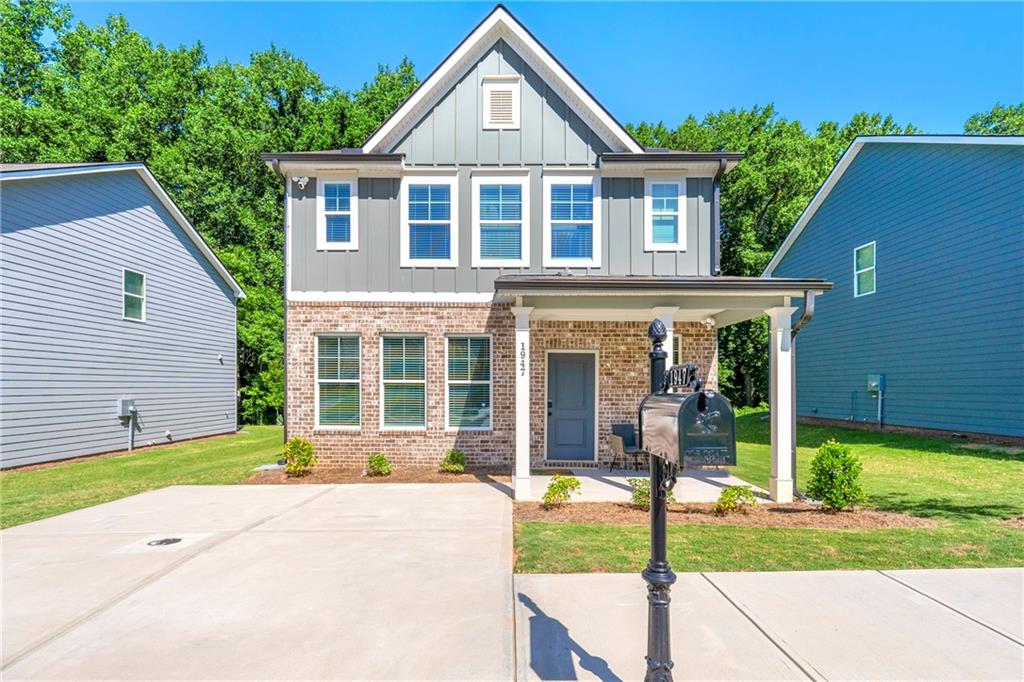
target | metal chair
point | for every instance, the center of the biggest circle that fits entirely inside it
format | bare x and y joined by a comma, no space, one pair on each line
624,444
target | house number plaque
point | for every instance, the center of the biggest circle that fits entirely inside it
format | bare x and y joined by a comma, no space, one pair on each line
522,358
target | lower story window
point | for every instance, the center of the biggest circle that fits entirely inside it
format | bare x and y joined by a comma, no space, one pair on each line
403,375
469,382
337,371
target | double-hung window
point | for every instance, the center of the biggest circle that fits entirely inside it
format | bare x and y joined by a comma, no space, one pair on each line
665,214
864,270
337,381
337,205
469,383
133,295
501,231
430,225
572,221
403,379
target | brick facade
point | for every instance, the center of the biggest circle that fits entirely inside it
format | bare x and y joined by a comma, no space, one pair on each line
622,376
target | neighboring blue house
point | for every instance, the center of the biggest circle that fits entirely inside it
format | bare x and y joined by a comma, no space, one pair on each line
923,238
109,301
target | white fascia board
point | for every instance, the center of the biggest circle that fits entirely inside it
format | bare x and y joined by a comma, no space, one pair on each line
499,24
851,153
392,297
164,198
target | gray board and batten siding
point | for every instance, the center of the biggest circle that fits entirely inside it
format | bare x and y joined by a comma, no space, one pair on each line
946,322
451,134
67,354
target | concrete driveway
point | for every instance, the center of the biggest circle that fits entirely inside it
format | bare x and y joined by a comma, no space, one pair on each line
287,582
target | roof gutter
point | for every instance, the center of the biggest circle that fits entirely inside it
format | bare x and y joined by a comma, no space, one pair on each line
807,314
716,219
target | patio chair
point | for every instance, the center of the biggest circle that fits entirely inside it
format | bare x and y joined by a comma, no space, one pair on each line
624,445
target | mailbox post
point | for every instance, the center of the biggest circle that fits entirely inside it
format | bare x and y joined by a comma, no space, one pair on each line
697,428
658,574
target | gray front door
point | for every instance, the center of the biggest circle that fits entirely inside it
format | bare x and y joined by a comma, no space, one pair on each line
571,406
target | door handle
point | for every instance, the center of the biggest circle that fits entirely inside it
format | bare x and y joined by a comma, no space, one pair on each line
549,414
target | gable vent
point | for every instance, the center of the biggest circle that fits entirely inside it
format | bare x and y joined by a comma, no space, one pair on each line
501,107
501,103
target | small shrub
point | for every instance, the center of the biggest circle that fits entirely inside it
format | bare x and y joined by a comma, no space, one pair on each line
560,489
298,457
641,494
734,498
835,473
454,462
378,465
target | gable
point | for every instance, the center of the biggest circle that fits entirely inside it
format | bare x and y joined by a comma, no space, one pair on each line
501,33
550,132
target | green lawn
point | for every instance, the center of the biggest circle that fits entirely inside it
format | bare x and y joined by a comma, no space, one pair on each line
967,490
38,493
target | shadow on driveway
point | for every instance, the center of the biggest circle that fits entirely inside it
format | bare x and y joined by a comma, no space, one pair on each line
551,649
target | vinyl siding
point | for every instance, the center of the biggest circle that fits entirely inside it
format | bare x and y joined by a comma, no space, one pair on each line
550,133
68,355
946,324
375,266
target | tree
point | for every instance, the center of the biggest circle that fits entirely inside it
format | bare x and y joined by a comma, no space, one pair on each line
999,120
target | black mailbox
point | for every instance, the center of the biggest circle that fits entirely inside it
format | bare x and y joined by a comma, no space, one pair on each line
689,429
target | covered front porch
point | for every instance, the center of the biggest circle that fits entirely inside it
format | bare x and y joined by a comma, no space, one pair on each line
581,364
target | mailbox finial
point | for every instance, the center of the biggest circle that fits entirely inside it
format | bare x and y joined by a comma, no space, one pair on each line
656,332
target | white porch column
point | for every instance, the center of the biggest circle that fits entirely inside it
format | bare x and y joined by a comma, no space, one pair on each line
780,485
667,316
521,480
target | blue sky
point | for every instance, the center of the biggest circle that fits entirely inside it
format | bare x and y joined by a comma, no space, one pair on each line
932,64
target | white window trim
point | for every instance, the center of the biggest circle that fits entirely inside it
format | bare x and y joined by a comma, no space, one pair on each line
649,243
448,382
317,426
524,241
453,260
492,83
426,402
145,287
321,213
559,179
874,258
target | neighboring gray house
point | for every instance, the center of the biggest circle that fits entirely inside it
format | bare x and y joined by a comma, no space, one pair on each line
924,239
481,273
107,295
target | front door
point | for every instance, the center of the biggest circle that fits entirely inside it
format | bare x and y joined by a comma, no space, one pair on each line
571,406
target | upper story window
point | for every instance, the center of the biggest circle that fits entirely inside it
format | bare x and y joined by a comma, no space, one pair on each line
572,221
133,289
501,103
430,225
501,230
864,270
337,227
337,381
665,214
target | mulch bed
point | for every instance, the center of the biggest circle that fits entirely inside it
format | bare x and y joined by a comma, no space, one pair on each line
398,475
795,515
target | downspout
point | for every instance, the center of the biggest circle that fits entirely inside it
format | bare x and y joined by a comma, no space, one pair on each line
800,324
276,165
716,220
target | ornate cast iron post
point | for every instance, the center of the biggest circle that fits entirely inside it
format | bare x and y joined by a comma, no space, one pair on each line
658,574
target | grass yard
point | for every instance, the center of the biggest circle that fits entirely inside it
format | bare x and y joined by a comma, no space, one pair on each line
969,490
36,494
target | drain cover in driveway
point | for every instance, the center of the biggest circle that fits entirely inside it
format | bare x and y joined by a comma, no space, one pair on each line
164,542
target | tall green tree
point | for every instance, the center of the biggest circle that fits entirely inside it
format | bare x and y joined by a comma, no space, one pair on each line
999,120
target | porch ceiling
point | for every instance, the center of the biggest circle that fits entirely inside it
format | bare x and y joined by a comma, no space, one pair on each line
726,300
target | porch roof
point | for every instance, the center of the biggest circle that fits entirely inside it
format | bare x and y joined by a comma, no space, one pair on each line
725,300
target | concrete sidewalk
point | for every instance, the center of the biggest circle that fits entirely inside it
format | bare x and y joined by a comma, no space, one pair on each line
963,624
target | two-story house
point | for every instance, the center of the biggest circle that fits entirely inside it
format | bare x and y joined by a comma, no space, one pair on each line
481,273
924,238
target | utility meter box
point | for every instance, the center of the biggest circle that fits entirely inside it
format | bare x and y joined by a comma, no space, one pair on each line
876,383
689,429
125,407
